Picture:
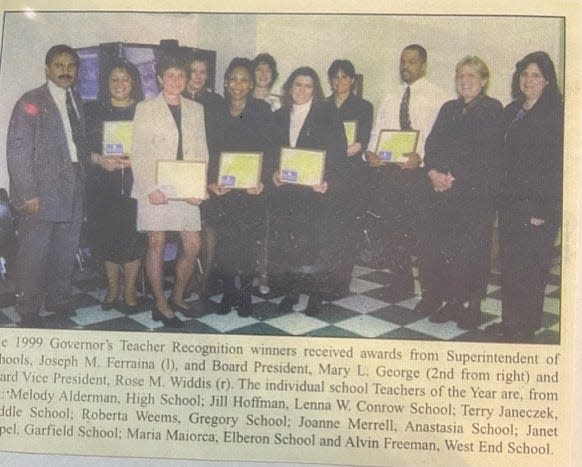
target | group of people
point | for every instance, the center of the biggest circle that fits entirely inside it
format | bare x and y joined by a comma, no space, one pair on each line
473,158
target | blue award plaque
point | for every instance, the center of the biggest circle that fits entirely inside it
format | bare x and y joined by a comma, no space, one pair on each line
227,180
288,175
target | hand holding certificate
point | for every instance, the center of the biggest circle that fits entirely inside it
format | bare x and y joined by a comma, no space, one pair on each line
350,129
393,145
182,180
239,170
117,138
302,166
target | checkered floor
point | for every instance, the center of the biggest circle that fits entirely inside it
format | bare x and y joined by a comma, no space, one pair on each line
364,313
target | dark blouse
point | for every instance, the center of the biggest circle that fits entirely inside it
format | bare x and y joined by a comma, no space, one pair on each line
532,159
215,113
252,130
467,141
321,130
177,114
117,182
356,108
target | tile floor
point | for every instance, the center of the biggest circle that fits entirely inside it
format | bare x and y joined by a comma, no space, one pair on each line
364,313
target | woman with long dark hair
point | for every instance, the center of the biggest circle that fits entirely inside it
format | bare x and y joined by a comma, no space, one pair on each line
310,223
530,207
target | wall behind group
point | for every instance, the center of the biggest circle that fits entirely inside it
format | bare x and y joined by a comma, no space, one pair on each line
372,43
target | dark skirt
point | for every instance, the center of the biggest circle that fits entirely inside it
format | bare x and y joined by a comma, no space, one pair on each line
112,229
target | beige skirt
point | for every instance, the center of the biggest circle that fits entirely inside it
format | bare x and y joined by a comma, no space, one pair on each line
176,215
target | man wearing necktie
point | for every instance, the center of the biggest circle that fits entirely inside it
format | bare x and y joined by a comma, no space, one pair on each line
46,150
399,190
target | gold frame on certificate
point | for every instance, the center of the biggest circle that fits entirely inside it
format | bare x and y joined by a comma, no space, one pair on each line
117,137
393,144
240,170
291,170
181,179
351,131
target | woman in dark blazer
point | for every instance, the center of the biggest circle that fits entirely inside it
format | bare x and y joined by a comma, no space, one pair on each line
530,208
310,223
239,215
349,108
462,156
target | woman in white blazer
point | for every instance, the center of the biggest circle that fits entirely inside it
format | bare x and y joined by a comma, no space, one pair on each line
172,128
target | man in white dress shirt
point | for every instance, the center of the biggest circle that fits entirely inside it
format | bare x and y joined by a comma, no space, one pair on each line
399,189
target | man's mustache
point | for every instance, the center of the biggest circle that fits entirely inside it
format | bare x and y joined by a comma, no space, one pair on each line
65,77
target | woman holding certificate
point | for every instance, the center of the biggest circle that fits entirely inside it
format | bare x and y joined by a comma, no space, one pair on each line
169,147
314,186
462,155
111,212
530,206
239,211
355,114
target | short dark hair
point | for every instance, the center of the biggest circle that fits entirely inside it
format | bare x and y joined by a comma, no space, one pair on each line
344,65
269,60
168,61
241,62
420,49
546,66
136,89
197,56
58,50
302,71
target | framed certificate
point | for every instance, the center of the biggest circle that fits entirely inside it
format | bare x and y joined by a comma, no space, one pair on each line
117,138
301,166
351,128
181,179
392,144
240,170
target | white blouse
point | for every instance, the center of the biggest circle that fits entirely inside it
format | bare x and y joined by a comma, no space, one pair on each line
298,115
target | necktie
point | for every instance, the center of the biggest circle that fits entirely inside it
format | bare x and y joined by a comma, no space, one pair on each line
404,110
73,118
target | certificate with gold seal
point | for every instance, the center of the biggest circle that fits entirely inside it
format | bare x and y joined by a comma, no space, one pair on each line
181,179
393,144
350,129
240,170
301,166
117,137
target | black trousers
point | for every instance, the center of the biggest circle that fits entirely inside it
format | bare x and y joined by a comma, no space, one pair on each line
526,255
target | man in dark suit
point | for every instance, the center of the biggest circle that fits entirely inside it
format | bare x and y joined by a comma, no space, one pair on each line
45,151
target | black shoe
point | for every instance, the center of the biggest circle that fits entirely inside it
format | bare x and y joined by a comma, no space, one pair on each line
313,305
246,307
286,305
521,335
497,329
172,322
450,312
226,304
400,288
428,305
470,318
30,321
185,310
60,309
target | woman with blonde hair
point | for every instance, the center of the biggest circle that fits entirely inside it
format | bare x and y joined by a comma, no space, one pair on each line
462,156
